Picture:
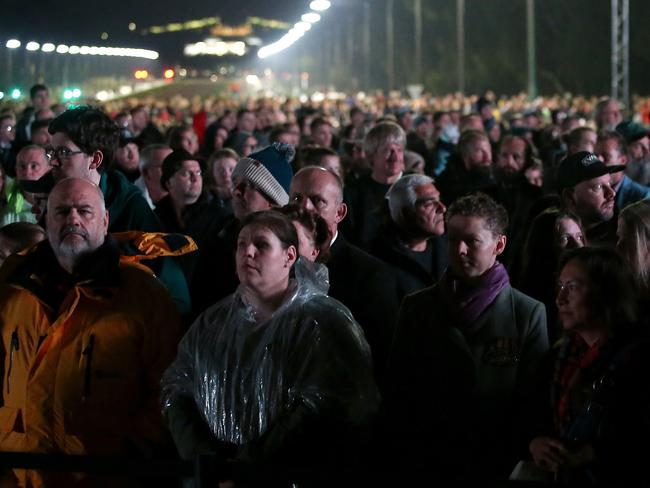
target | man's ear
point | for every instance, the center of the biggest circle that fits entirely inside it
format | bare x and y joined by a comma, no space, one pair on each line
106,221
98,159
501,244
341,212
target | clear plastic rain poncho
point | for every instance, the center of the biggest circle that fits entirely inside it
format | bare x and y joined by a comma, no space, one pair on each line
245,374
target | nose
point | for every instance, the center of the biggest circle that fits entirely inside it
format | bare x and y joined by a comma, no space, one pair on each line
73,217
561,297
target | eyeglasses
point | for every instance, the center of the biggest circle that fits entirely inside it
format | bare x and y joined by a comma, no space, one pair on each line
60,153
8,128
570,287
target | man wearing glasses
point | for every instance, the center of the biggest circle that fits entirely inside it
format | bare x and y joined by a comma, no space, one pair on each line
84,141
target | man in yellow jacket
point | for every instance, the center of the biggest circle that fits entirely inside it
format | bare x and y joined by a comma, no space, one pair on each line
86,334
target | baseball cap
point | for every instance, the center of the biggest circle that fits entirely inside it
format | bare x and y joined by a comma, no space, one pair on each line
583,166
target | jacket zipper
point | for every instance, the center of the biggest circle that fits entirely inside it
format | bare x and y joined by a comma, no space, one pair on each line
15,346
88,353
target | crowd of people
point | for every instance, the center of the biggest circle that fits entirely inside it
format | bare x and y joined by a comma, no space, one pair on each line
455,289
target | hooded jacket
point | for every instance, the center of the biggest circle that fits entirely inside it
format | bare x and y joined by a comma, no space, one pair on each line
82,355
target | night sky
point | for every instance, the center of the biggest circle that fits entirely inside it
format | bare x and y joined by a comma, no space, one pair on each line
83,21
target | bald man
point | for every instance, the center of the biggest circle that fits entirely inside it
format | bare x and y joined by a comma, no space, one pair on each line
360,281
86,334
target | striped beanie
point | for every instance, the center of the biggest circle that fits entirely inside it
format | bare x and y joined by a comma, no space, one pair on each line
269,170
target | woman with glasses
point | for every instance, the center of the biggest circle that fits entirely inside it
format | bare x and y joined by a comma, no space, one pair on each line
277,372
594,414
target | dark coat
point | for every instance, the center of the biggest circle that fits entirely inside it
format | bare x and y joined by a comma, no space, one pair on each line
411,276
368,288
365,199
456,394
456,181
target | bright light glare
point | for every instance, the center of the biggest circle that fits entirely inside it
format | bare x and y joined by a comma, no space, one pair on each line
62,49
296,32
48,47
252,80
302,26
13,44
320,5
33,46
311,17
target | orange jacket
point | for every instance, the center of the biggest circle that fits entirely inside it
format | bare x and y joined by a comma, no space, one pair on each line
82,364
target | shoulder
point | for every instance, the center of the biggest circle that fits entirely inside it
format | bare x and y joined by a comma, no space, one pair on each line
523,301
421,299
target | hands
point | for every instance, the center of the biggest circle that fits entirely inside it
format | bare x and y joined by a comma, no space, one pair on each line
548,453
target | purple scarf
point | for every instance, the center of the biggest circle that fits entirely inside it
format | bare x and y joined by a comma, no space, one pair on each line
467,302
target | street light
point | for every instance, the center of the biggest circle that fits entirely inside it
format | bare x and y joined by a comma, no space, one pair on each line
12,44
320,5
33,46
311,17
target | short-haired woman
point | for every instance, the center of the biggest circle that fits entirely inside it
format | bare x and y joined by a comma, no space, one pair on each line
276,373
465,353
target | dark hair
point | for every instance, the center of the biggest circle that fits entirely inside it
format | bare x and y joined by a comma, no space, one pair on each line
470,136
314,224
613,294
312,155
39,124
610,135
318,121
278,223
278,130
574,137
90,129
226,152
176,134
37,88
22,235
481,205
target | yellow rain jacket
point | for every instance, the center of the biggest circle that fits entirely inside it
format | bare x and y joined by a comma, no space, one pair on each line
83,355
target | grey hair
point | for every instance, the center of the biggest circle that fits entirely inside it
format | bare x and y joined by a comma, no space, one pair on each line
147,153
382,133
401,195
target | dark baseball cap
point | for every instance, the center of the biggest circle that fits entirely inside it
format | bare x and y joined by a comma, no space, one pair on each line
583,166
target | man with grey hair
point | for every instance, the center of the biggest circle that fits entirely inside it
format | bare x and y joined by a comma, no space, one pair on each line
87,333
151,158
413,242
384,147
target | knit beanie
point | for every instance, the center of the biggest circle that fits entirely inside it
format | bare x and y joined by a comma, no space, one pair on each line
269,170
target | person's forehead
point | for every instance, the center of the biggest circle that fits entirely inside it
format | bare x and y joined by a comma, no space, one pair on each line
467,224
75,194
513,145
61,138
316,182
31,156
426,189
160,154
189,164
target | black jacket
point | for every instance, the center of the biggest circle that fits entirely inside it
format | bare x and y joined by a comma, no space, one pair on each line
368,288
411,276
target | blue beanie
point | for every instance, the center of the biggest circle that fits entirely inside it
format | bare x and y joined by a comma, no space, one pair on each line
270,170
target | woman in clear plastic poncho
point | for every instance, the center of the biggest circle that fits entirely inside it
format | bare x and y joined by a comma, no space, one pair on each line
278,372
